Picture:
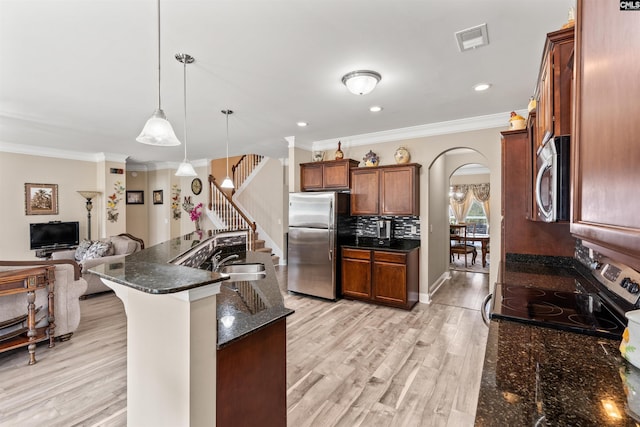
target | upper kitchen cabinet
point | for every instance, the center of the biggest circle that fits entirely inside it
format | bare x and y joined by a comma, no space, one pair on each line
553,91
386,190
606,152
329,175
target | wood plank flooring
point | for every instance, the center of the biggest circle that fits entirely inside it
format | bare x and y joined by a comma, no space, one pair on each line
348,364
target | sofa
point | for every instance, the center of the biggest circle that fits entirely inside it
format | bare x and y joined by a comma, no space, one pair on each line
68,287
115,249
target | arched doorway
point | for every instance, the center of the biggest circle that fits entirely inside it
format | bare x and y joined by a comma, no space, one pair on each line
440,172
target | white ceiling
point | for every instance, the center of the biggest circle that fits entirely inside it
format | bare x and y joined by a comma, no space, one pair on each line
82,75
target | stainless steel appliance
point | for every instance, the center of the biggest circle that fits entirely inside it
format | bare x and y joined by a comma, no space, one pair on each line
384,229
597,307
552,179
313,241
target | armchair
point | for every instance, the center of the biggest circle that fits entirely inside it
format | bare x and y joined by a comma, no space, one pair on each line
122,244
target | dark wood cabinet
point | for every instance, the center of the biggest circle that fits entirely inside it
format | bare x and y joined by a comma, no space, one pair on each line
382,277
356,273
553,91
252,379
386,190
519,234
606,152
329,175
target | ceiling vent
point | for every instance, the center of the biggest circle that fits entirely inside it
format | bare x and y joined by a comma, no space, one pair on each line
472,38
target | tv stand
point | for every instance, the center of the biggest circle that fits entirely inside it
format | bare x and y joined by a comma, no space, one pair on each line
46,252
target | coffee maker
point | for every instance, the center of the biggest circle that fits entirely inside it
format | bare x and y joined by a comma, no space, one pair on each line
383,228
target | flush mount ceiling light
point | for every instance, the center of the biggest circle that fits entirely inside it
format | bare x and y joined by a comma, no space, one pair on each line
375,109
158,130
227,182
361,82
185,168
481,87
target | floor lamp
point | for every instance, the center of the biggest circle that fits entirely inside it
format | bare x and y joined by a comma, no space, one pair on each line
89,195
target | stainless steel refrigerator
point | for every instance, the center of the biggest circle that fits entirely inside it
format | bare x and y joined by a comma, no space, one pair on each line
317,223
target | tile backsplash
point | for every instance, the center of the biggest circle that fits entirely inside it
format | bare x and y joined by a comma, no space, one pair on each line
403,226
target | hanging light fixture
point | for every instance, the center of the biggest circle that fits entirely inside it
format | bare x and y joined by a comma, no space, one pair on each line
361,82
227,183
185,168
158,130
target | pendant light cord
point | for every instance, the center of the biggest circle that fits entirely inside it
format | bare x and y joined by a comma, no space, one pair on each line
159,100
185,109
227,114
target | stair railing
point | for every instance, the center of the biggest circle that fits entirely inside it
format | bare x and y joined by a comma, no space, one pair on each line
243,168
229,213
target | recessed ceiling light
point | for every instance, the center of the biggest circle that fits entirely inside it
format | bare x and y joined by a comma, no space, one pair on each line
375,109
302,124
481,86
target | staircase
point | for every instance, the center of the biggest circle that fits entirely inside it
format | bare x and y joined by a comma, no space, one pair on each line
227,215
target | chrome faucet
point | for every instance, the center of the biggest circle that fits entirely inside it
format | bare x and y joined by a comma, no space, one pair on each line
217,263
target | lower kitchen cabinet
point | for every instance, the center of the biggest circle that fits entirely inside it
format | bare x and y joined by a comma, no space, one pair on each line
251,379
381,277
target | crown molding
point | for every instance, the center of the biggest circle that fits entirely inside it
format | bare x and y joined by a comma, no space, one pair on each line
442,128
32,150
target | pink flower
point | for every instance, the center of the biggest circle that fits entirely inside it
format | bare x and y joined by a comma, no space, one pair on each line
195,212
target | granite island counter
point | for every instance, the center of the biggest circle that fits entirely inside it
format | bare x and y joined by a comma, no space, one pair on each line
171,313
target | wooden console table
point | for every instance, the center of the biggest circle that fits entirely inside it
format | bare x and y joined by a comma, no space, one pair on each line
28,281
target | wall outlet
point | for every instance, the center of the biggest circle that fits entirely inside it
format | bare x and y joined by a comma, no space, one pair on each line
414,229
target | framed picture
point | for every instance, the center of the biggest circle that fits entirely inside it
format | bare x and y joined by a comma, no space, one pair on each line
135,197
41,199
157,197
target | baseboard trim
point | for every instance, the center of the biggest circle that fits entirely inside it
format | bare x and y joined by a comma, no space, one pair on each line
439,282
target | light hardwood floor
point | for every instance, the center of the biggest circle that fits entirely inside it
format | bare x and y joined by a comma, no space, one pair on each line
348,364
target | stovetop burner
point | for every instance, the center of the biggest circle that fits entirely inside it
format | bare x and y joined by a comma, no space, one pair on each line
571,311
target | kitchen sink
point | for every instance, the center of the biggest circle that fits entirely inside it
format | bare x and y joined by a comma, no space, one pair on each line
243,277
236,269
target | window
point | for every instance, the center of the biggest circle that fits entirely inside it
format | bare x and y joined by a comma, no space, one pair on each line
477,216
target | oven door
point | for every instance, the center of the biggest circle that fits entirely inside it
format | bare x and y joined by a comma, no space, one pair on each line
546,182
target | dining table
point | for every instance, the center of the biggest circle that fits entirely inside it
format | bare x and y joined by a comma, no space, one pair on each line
475,237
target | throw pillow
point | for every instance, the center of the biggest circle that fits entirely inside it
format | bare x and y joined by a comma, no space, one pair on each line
82,249
98,250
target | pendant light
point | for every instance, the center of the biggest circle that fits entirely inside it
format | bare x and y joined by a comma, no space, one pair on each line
227,182
185,168
158,130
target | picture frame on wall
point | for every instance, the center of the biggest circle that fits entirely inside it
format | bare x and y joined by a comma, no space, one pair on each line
158,197
41,199
135,197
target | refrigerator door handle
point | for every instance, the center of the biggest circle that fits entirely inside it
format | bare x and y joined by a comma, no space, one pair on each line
330,230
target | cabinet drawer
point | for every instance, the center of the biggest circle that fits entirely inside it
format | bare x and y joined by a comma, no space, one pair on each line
356,253
399,258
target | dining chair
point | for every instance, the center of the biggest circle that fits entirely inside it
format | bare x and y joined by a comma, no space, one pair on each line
459,244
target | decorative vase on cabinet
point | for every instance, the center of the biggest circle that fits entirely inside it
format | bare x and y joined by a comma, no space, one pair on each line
371,159
339,153
402,155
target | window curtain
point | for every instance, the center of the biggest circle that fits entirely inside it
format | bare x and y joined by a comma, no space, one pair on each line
460,201
481,194
462,196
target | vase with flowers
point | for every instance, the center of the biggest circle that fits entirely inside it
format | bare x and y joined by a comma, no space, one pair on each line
195,212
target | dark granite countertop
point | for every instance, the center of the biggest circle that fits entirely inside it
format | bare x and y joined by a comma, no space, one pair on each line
540,376
243,307
149,271
247,306
397,245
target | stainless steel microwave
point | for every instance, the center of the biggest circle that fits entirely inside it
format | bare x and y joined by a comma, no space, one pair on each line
552,179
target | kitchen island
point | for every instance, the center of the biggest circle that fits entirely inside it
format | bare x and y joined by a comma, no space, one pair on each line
174,313
535,375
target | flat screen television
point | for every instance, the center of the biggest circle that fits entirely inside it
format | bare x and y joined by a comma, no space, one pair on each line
48,235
